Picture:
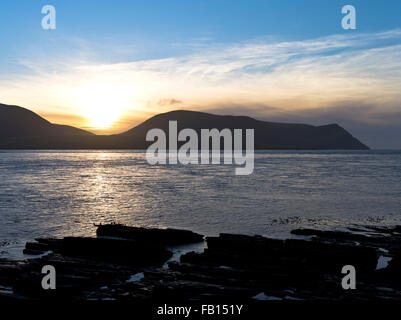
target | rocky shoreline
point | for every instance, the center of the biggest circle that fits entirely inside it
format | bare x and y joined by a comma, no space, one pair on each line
134,264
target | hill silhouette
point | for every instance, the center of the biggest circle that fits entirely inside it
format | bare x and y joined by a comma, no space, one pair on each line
268,135
21,128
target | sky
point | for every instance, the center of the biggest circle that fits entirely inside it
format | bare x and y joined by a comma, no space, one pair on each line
109,65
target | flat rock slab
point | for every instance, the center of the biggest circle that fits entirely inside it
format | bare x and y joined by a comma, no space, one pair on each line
168,237
121,251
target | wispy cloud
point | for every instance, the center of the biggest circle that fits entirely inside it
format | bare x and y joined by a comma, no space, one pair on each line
258,78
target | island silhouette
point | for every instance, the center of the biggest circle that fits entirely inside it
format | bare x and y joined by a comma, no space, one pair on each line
21,128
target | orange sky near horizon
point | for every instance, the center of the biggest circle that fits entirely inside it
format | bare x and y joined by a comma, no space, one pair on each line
120,125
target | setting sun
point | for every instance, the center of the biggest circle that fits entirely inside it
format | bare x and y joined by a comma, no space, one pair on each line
102,105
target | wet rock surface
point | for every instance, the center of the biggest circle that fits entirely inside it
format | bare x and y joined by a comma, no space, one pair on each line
129,264
169,237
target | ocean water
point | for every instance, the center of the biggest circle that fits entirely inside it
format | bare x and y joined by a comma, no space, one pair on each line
63,193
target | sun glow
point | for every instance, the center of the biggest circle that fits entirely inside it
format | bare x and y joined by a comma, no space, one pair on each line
102,105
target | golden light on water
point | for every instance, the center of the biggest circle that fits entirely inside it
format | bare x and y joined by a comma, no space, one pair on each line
102,105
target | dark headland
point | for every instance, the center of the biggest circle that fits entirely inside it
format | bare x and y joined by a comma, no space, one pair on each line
21,128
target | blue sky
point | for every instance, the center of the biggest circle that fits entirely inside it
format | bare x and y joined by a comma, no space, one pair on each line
268,59
156,29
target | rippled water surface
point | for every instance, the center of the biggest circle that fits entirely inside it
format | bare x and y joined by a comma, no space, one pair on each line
59,193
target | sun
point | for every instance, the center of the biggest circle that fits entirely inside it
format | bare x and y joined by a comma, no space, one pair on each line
102,105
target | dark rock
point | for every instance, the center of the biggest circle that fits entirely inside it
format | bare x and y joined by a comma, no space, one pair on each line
110,250
37,246
168,237
231,267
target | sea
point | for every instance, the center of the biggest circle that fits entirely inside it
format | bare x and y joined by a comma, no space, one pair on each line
66,193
